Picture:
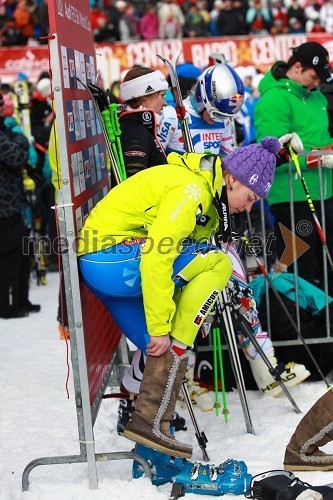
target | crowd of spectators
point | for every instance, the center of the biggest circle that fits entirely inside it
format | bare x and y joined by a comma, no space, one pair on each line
26,21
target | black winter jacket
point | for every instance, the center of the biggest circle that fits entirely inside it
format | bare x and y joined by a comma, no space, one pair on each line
140,145
13,157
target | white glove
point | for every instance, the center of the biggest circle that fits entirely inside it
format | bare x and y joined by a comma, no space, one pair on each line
294,140
327,161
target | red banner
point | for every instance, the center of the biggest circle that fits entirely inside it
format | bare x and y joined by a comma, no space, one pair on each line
113,59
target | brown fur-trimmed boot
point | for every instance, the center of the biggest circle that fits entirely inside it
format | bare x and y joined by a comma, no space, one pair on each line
314,430
155,405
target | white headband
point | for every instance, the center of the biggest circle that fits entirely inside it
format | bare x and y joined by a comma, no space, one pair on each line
143,85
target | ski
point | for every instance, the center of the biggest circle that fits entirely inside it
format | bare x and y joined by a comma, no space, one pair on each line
180,108
21,90
39,252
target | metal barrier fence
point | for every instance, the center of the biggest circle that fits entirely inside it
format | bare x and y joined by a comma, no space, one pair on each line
327,333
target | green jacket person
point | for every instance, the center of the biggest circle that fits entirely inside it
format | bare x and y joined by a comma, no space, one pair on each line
291,102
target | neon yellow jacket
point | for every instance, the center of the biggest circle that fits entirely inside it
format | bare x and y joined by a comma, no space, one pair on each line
162,203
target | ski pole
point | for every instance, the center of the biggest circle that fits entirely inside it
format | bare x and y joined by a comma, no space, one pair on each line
243,322
225,410
200,435
217,405
111,123
112,139
287,313
320,231
275,372
113,111
225,316
218,366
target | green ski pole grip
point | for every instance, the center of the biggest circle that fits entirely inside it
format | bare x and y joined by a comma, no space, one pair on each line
113,114
114,119
108,125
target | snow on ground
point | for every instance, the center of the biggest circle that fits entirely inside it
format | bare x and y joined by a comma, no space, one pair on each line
37,420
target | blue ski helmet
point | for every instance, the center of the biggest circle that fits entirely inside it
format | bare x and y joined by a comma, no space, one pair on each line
220,91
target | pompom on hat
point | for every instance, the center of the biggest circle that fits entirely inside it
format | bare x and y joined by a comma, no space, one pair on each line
254,165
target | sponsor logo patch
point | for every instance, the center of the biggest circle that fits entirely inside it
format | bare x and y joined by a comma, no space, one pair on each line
146,116
135,153
202,313
203,220
225,216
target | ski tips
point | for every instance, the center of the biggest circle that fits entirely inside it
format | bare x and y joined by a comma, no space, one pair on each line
173,62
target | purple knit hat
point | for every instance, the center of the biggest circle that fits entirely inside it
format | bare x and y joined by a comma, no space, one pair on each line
254,165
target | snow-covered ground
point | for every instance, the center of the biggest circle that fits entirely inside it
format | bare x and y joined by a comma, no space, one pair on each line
37,420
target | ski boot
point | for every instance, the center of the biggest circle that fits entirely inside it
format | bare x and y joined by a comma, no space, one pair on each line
230,476
283,485
163,467
200,397
291,374
125,409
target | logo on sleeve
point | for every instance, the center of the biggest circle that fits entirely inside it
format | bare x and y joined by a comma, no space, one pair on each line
193,192
203,220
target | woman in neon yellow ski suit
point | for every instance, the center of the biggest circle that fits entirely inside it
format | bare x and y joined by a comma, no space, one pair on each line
143,252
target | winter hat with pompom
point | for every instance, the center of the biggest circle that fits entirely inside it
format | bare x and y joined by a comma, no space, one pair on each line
254,165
